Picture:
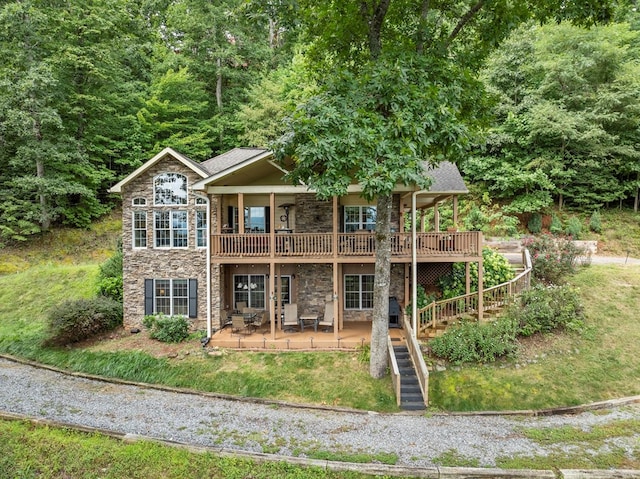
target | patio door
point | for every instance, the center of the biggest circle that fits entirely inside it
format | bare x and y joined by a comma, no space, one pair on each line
285,290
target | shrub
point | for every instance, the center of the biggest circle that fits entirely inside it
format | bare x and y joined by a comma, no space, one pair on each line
476,220
472,342
535,223
496,270
574,227
543,309
595,222
168,329
110,276
77,320
553,258
556,226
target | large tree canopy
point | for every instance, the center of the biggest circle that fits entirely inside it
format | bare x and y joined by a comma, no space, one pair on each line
568,122
397,89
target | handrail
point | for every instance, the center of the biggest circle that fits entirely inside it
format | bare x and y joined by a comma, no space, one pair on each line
418,360
395,372
440,311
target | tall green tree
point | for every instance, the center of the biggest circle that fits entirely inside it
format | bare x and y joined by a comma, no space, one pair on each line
567,118
397,89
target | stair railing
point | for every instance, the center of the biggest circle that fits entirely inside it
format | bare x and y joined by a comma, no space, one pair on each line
415,353
395,372
439,312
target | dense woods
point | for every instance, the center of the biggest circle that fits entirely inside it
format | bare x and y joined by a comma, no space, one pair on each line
89,89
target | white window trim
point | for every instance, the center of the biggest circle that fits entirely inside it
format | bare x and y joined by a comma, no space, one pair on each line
171,229
359,308
140,201
186,182
134,229
205,228
361,225
171,296
249,302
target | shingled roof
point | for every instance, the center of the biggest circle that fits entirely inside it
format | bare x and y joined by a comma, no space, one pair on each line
446,178
231,158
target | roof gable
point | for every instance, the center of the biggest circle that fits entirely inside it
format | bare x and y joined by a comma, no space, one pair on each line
192,165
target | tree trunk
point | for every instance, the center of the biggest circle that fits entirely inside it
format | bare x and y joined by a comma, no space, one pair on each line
380,324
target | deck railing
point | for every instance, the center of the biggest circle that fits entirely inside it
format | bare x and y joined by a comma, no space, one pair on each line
439,313
346,245
396,379
417,359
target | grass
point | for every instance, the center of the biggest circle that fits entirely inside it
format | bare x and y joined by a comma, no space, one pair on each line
576,447
30,451
556,370
563,369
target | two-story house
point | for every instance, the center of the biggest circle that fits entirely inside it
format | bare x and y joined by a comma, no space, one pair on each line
205,239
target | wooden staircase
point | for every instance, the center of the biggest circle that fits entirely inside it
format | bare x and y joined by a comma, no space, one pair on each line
411,395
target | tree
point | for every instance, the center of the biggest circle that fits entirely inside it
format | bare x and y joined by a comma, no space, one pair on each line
566,118
396,89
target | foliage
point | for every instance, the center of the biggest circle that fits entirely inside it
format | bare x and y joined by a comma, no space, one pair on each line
422,299
553,258
496,270
535,223
469,341
595,222
77,320
555,227
574,227
110,276
544,309
167,329
566,118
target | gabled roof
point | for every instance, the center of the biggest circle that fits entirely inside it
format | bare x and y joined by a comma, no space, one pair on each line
446,178
230,162
231,158
196,167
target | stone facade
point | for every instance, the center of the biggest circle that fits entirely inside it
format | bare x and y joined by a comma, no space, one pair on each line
160,263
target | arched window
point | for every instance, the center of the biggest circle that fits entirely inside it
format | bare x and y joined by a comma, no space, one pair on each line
139,201
170,189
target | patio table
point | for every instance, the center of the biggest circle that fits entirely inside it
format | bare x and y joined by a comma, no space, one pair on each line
309,318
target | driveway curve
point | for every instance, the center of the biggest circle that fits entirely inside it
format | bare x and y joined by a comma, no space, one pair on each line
255,427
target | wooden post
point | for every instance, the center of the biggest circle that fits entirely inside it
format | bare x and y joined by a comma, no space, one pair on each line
273,293
436,218
272,220
241,213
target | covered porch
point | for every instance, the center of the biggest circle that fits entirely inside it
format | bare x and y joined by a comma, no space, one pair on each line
355,334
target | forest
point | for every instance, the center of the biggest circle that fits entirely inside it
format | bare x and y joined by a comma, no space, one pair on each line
536,101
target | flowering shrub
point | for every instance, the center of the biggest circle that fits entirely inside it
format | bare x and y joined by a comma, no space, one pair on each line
553,258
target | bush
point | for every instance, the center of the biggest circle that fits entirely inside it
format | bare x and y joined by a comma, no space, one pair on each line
553,258
472,342
168,329
535,223
496,270
77,320
556,226
543,309
110,276
574,227
595,222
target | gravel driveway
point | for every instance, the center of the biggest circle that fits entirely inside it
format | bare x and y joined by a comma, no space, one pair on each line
256,427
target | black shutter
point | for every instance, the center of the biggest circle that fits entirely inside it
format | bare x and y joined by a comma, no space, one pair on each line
193,297
230,217
148,297
267,219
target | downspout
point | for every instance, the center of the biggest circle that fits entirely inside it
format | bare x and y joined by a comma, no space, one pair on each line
414,264
209,222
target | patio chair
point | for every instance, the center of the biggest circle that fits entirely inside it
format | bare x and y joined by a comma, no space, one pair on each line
240,306
238,325
260,320
327,320
290,317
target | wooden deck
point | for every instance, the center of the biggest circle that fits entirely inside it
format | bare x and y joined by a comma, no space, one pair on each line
354,335
345,246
